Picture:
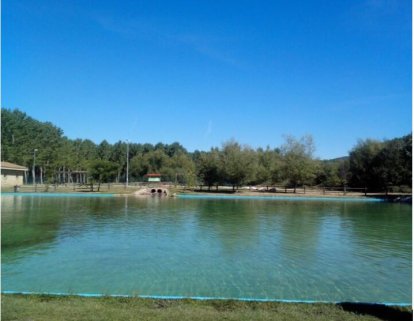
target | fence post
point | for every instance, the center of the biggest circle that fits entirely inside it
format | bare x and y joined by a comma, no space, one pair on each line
365,191
324,190
304,189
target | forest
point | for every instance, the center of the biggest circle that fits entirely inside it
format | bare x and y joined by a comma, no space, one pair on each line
372,164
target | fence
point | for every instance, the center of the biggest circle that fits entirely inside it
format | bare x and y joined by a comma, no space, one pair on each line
121,188
321,190
333,190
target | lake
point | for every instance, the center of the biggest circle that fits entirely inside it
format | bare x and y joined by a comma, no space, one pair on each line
247,248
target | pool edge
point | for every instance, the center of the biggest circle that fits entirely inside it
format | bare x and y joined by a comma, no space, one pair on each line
199,298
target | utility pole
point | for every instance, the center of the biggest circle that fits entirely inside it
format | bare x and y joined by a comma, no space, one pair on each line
127,168
34,166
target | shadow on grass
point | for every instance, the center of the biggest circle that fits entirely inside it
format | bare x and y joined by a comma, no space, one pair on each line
383,312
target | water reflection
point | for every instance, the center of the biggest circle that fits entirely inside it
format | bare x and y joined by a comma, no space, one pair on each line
234,224
390,238
26,223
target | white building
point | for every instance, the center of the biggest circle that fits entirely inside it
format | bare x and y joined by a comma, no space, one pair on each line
12,174
153,177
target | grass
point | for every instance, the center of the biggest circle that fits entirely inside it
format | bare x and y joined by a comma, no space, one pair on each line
42,307
113,188
69,188
119,188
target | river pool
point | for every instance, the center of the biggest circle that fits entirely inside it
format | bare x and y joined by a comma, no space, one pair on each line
246,248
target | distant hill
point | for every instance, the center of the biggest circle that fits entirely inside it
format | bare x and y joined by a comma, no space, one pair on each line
338,159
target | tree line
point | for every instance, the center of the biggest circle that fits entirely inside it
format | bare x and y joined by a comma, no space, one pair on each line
373,164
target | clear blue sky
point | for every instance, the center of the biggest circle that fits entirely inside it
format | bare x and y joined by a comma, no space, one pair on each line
202,72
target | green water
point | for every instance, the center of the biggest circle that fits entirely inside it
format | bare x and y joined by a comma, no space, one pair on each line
236,248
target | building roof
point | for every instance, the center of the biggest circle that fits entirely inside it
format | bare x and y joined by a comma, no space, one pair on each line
152,175
7,165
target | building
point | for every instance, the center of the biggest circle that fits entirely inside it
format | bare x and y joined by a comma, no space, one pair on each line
12,174
153,177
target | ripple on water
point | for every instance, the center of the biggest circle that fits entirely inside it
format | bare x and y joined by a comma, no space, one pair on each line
276,249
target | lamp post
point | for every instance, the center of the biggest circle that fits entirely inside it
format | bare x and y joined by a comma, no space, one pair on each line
34,166
127,167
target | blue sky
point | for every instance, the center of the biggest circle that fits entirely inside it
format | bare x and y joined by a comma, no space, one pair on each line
203,72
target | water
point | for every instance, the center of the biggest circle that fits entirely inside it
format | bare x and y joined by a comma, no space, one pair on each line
283,249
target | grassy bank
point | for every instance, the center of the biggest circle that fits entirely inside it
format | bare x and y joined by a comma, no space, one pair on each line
38,307
223,190
70,188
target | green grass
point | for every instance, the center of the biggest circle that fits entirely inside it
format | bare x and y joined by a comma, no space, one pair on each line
39,307
69,188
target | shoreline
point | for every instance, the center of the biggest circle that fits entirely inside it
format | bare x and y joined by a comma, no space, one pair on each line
41,307
391,197
273,194
199,298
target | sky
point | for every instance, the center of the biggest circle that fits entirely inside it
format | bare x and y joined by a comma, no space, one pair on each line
204,72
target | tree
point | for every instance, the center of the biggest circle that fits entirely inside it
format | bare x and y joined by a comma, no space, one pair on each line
104,150
153,161
269,164
407,160
361,160
208,168
374,164
139,166
118,156
68,159
182,169
22,134
299,166
157,160
333,172
102,171
237,163
379,164
174,149
394,162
